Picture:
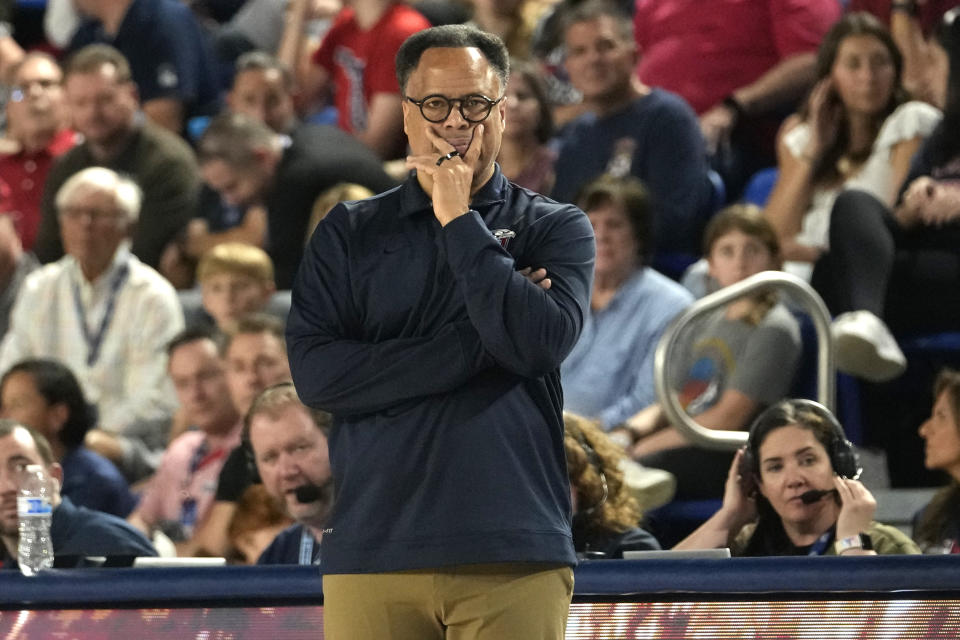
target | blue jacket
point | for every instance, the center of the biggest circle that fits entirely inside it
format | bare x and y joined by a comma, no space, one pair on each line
440,364
293,545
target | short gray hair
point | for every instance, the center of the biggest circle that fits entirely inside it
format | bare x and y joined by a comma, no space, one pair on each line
127,195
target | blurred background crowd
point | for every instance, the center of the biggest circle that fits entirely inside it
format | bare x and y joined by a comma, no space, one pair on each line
164,162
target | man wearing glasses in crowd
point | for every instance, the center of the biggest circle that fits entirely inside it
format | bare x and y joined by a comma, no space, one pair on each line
431,321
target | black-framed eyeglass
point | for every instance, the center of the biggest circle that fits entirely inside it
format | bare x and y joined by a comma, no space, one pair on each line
474,108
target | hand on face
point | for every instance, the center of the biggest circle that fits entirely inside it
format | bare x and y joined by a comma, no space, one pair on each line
452,178
825,110
857,506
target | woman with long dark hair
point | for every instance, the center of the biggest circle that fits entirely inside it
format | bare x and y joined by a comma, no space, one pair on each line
856,131
937,529
525,158
792,491
901,264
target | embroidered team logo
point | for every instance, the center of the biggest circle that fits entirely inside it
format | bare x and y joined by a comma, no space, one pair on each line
167,76
503,236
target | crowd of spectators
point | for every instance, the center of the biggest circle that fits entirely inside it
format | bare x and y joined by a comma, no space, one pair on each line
163,166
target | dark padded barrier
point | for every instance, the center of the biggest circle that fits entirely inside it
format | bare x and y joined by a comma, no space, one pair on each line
645,580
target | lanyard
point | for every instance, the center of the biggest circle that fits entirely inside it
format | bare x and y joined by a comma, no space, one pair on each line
94,340
818,547
202,456
306,549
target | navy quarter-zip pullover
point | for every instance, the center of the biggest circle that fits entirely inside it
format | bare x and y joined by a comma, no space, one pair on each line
440,363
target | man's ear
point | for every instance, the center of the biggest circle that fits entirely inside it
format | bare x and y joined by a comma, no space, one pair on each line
405,105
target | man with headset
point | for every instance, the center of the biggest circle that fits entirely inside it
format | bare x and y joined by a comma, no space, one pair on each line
288,443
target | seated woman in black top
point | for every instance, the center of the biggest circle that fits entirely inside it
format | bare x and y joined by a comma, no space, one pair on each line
792,490
605,515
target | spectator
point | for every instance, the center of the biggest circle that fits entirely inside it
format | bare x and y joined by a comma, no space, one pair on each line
911,25
258,520
525,158
797,448
45,395
103,314
76,532
102,100
263,90
235,280
170,59
37,125
355,60
857,131
741,65
741,359
608,376
180,494
276,180
900,266
937,529
289,446
15,265
514,21
630,129
256,358
606,517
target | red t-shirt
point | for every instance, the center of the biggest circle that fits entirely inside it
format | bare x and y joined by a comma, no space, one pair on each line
362,62
706,50
25,174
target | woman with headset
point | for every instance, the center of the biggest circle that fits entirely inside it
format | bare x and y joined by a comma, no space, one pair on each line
792,490
606,516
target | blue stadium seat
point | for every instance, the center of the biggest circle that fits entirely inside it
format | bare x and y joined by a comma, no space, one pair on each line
760,185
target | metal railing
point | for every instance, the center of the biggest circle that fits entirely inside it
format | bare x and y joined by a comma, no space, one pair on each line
666,363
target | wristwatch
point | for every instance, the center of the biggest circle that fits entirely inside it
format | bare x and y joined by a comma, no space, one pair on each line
859,541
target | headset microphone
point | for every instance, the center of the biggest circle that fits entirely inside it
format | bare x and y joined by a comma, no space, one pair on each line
816,495
308,493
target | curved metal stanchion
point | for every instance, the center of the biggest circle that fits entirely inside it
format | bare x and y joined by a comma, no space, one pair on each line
666,363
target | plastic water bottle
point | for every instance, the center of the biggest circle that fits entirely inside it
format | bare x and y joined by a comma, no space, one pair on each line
35,548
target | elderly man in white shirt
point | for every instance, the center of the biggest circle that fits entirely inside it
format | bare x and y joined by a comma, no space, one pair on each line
105,315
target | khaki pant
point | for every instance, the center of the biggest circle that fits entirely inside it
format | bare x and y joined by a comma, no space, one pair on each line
467,602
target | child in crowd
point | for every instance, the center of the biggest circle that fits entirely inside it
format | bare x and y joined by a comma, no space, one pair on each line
340,192
742,358
235,279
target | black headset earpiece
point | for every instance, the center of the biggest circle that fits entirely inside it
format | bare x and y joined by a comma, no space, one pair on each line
252,472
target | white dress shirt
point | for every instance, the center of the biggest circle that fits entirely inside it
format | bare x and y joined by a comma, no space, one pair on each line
128,380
